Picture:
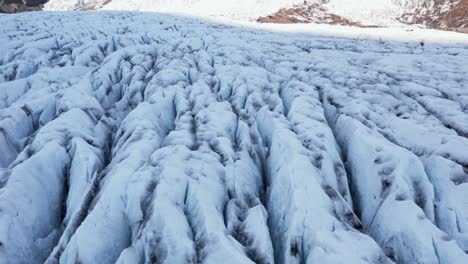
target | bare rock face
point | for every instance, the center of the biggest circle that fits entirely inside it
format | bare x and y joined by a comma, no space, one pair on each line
14,6
457,18
440,14
437,14
311,13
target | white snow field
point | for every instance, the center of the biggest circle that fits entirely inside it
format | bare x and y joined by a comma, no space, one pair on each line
148,138
234,9
370,12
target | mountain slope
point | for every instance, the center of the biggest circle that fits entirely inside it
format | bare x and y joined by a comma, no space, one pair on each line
439,14
140,138
457,17
238,9
14,6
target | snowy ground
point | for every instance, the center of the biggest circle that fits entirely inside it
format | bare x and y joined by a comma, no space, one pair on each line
146,138
234,9
388,13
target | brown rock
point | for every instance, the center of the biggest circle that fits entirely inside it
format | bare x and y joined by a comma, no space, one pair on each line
311,13
457,18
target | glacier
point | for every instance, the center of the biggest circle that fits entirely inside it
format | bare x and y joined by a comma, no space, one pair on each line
130,137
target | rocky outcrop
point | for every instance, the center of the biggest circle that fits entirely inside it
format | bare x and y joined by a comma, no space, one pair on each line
312,13
437,14
457,18
14,6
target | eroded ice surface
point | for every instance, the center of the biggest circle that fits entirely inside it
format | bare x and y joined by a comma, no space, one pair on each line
146,138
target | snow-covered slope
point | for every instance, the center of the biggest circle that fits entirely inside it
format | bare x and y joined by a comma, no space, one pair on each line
438,14
384,12
368,11
145,138
237,9
441,14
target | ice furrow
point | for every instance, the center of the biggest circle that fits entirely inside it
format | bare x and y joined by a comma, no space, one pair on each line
403,186
218,136
148,132
245,213
59,138
121,168
373,119
298,235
